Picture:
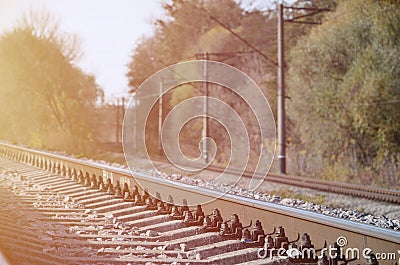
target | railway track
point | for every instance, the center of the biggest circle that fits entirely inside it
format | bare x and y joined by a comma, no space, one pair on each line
59,210
368,192
363,191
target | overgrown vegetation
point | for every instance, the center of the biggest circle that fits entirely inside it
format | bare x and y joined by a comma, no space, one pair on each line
286,193
345,94
45,99
343,79
191,28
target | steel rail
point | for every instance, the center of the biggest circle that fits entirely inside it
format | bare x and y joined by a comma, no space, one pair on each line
322,228
363,191
369,192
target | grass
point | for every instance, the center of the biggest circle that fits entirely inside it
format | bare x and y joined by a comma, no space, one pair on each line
108,156
285,193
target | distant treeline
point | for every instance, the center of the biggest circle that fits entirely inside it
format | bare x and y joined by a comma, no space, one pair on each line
343,79
343,82
46,101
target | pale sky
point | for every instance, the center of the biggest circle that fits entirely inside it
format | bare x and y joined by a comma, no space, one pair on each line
108,31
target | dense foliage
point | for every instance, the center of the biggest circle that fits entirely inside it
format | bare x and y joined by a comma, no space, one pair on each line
342,78
191,28
44,97
345,93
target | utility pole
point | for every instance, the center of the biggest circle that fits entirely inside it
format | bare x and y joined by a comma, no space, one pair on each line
222,56
117,126
122,115
281,93
205,119
281,74
160,113
123,106
135,123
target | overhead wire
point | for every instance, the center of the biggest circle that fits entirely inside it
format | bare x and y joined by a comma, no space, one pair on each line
267,58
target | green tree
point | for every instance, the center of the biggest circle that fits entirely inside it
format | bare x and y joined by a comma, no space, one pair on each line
189,28
344,85
195,27
45,96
